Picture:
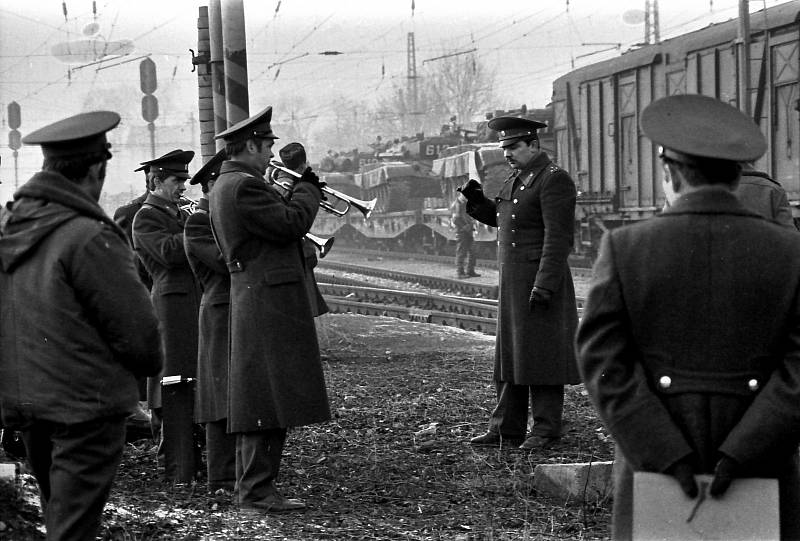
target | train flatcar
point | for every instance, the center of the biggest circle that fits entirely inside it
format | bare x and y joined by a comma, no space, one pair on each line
414,181
597,108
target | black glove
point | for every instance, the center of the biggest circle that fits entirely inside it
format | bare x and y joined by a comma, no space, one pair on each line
311,177
473,191
724,473
540,298
682,471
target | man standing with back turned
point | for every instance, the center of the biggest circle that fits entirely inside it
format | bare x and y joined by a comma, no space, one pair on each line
534,357
275,376
690,340
76,327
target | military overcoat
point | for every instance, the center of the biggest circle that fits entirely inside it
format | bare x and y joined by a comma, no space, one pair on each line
124,217
275,377
158,240
690,345
534,213
211,392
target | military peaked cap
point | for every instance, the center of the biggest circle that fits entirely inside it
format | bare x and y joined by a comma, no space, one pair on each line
511,129
75,136
210,169
175,163
257,127
693,125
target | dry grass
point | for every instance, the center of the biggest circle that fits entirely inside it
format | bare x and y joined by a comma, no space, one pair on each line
393,463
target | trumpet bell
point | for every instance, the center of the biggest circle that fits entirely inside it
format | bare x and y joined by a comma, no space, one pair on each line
323,245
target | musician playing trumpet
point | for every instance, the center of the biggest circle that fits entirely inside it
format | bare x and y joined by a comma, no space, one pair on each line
294,157
275,376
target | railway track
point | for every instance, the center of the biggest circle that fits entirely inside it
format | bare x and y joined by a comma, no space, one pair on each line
357,295
473,289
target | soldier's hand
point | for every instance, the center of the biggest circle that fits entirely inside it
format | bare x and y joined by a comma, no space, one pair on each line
540,298
683,472
724,473
472,190
311,177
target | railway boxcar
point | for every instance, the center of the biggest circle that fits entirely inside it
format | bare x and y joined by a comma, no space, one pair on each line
597,110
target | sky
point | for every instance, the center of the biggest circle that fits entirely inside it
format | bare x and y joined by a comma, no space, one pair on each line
527,43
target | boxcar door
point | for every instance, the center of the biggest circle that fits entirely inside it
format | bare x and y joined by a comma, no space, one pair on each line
785,128
628,138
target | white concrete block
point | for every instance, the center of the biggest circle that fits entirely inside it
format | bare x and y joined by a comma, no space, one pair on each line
590,481
9,472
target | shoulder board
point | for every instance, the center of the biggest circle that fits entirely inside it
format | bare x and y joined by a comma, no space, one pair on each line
760,174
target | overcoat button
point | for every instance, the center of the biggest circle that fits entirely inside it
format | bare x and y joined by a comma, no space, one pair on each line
513,216
665,382
522,188
513,244
753,384
515,201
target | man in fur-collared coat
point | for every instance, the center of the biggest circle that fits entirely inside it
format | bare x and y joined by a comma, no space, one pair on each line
690,340
275,378
534,213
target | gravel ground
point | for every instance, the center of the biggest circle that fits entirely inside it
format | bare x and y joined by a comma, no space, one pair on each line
394,462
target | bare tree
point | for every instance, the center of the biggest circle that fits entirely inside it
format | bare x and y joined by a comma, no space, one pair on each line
455,85
462,84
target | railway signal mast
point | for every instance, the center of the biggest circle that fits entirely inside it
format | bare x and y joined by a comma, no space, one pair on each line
652,33
14,122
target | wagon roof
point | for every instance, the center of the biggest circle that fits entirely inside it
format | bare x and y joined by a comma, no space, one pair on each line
678,46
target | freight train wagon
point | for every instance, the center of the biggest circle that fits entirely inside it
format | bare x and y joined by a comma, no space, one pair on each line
597,109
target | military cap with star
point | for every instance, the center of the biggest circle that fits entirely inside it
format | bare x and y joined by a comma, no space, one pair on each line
255,127
690,126
511,129
210,169
77,135
175,163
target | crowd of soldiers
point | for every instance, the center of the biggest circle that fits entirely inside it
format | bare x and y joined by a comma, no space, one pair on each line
689,346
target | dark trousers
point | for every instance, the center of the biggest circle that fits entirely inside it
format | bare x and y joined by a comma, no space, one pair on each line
465,254
510,416
220,456
258,459
177,451
74,465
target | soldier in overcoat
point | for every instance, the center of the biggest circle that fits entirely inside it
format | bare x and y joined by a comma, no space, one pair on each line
76,327
275,378
534,213
690,340
158,240
211,392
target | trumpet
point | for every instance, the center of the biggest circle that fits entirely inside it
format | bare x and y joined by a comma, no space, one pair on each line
365,207
187,204
323,245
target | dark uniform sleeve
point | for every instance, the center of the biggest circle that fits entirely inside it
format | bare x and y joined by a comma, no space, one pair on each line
150,237
484,211
118,303
201,244
558,215
610,365
268,215
782,212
